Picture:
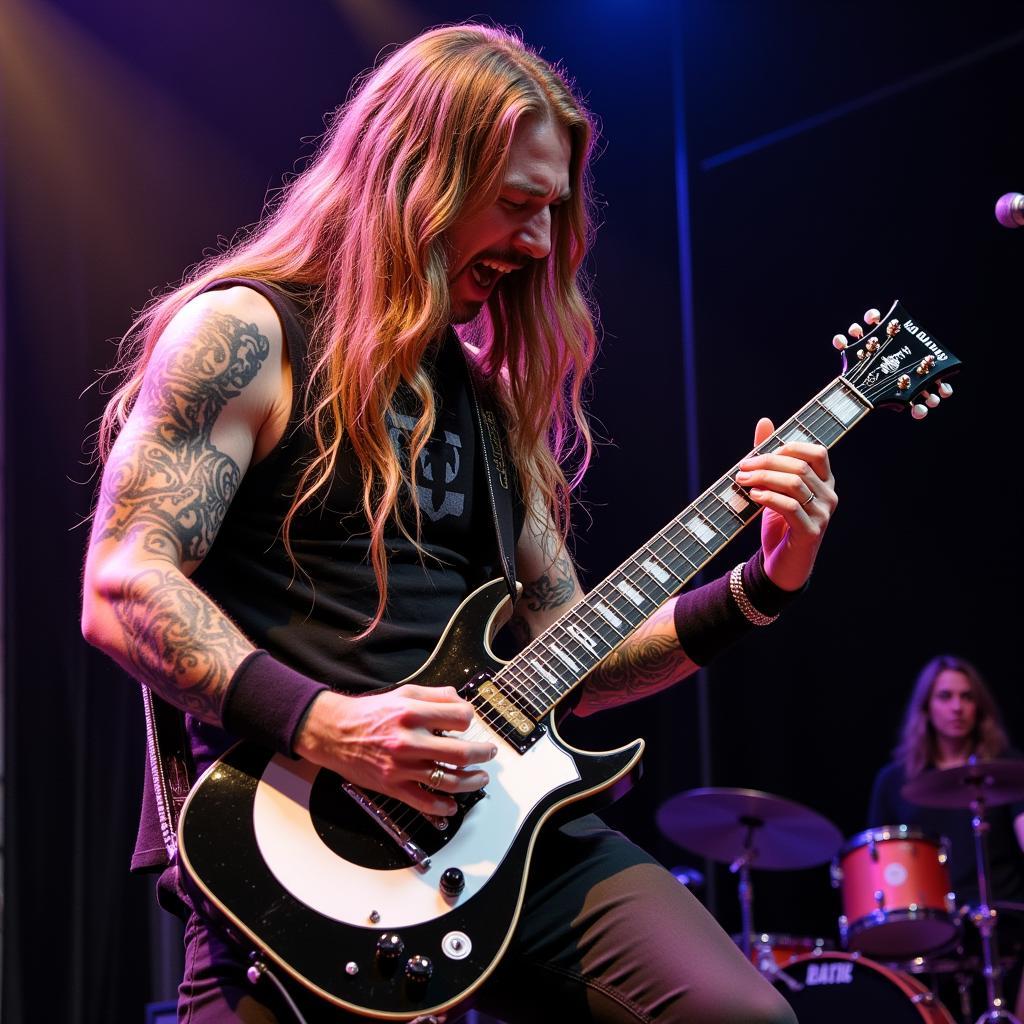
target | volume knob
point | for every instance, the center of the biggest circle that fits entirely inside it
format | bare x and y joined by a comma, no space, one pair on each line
453,881
390,946
419,969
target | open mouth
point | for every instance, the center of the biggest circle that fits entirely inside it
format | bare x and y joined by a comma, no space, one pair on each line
487,272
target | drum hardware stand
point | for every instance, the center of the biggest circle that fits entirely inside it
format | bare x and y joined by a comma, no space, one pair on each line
765,961
984,916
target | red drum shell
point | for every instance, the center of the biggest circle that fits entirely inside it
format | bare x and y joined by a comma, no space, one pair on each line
906,868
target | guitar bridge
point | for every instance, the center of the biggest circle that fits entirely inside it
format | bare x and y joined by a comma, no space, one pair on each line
412,850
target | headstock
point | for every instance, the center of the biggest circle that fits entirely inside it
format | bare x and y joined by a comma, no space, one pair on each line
893,361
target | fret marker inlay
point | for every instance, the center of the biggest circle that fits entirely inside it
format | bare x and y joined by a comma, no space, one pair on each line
701,530
608,615
585,639
564,657
541,670
735,498
655,570
632,593
842,407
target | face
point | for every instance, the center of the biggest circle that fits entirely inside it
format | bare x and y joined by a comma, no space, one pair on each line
952,709
516,228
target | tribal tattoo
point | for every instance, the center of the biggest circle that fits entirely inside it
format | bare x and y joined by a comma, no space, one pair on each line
551,590
172,483
648,662
181,643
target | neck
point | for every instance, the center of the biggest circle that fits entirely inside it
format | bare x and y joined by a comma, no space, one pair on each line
951,752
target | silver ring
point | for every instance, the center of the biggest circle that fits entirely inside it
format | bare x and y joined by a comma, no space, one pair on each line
807,500
435,777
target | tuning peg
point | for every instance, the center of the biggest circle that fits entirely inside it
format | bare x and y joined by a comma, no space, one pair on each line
945,390
929,399
839,342
872,316
918,412
855,331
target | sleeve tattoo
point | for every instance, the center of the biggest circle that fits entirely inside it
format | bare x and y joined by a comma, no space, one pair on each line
170,487
171,482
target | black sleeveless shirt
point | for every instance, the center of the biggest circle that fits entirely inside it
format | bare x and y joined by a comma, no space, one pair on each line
308,616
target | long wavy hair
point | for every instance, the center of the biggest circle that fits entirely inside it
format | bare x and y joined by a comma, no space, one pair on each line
918,748
422,141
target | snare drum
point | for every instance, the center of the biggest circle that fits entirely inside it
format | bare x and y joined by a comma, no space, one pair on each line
783,949
895,889
846,988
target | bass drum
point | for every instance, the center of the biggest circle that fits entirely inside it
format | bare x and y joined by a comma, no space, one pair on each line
847,988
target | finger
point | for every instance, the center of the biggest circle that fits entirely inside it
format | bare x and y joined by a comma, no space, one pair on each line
428,801
798,517
781,483
785,463
461,753
446,779
453,716
435,694
764,429
814,455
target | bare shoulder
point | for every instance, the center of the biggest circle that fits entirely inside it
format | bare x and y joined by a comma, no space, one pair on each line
222,346
236,312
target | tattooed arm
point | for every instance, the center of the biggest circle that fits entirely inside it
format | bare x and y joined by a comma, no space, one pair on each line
216,394
648,661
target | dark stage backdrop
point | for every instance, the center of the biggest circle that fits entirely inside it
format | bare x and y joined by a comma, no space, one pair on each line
872,142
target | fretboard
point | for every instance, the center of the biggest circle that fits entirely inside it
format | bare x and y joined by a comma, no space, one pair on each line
558,660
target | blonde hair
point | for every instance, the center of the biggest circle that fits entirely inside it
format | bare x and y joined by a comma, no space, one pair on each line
918,749
422,141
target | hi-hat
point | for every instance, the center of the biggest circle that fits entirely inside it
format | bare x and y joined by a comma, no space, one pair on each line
719,823
996,782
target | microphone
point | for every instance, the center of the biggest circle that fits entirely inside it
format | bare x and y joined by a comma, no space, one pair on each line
1010,210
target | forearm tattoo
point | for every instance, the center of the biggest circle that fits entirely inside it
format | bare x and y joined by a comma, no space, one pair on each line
179,641
553,589
644,664
171,483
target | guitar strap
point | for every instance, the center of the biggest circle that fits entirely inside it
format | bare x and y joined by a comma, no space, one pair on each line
168,751
493,439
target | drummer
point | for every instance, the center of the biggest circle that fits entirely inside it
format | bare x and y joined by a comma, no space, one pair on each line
951,715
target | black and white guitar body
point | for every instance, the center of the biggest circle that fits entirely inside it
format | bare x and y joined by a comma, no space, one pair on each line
389,914
316,881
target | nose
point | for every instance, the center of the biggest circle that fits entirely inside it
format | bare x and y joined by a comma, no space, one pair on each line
533,239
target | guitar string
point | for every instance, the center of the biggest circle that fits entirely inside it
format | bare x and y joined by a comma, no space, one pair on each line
809,419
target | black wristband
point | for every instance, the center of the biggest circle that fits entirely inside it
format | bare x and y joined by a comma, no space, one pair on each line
267,701
708,620
767,597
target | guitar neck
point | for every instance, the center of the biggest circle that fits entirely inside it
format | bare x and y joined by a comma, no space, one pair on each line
558,660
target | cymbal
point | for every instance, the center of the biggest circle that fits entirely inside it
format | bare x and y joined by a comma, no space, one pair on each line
997,782
715,822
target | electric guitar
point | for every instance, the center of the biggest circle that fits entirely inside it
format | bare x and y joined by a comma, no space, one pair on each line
389,913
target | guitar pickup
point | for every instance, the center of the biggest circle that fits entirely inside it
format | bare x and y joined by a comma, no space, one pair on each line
501,713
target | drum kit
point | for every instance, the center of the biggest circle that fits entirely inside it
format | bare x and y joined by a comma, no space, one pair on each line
899,922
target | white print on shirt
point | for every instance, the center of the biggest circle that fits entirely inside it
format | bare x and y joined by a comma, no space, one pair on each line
439,465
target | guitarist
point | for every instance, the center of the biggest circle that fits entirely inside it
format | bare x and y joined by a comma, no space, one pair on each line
294,503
